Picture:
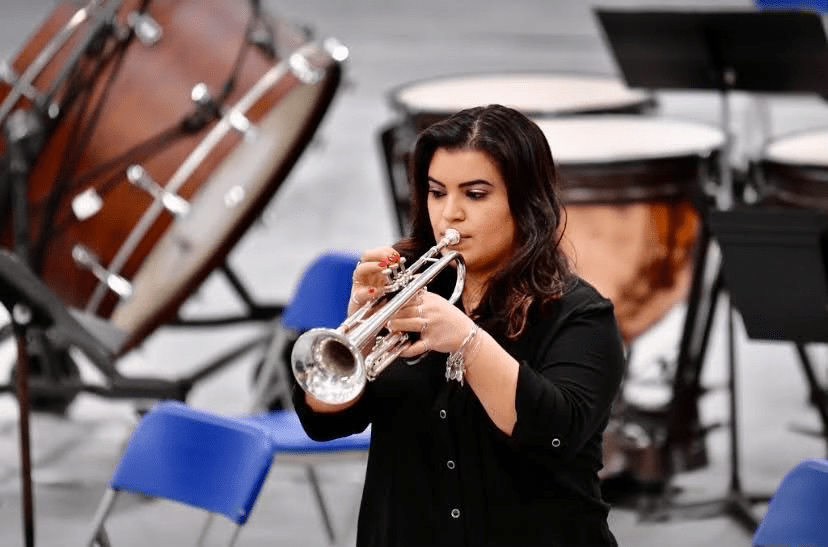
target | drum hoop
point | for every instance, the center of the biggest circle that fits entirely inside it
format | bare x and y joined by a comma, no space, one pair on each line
57,41
189,166
646,99
702,155
583,196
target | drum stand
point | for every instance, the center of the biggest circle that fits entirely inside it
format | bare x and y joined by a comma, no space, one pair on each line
723,51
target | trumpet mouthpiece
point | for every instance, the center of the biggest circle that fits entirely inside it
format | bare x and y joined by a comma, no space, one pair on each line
452,236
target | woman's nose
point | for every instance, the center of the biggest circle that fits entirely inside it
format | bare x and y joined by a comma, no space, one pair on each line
453,209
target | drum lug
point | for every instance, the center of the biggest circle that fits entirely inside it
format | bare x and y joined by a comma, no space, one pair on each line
147,29
242,124
200,94
338,51
84,258
87,204
302,68
172,202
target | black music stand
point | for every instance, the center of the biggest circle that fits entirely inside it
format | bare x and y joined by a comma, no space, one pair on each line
722,51
787,302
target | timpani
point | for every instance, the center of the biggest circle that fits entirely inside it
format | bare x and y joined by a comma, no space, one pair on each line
631,186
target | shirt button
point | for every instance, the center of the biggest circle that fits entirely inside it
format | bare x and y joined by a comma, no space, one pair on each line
455,513
556,442
443,414
450,464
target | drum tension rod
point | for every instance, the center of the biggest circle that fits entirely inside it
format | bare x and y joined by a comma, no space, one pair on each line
172,202
207,103
86,259
147,29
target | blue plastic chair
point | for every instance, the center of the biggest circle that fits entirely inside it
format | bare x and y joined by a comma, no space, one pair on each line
798,509
320,299
190,456
813,5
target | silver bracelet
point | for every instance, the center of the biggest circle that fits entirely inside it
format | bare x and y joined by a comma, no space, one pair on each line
456,362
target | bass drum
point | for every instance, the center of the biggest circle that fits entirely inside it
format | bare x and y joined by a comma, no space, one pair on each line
168,126
536,94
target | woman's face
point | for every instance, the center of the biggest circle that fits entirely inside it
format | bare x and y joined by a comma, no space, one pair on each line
467,192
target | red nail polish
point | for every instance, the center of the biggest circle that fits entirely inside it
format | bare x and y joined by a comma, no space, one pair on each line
383,264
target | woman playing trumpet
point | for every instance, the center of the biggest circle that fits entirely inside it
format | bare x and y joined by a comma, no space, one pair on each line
493,437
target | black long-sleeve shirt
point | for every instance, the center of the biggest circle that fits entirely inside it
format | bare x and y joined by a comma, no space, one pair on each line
440,472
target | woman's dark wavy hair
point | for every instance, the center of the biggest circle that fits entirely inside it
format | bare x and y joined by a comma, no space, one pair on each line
538,271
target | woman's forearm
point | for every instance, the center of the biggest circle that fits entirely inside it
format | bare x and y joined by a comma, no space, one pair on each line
492,374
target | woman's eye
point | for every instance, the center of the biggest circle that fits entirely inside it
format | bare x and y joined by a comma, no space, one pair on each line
436,193
476,195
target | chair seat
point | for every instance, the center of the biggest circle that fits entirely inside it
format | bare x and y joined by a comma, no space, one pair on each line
288,436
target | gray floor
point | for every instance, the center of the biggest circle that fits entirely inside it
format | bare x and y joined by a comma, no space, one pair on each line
336,198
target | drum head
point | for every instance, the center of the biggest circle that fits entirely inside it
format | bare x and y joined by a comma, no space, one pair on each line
534,94
806,148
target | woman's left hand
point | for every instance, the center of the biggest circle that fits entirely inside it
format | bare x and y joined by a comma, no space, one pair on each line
441,325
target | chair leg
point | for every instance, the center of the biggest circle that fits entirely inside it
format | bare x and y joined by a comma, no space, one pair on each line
320,502
203,534
271,384
97,535
103,538
235,535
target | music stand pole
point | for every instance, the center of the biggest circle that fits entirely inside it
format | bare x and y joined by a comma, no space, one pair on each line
726,196
21,318
24,137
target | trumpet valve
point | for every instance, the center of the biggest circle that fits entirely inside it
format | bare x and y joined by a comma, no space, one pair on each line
385,351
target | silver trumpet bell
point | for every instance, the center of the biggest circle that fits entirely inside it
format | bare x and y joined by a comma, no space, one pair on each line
334,365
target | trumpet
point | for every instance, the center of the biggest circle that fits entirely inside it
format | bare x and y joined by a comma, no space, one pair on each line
334,365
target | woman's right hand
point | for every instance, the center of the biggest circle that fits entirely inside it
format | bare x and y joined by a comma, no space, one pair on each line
369,281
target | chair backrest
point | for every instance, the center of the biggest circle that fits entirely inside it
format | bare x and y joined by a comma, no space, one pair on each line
798,509
321,297
195,457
